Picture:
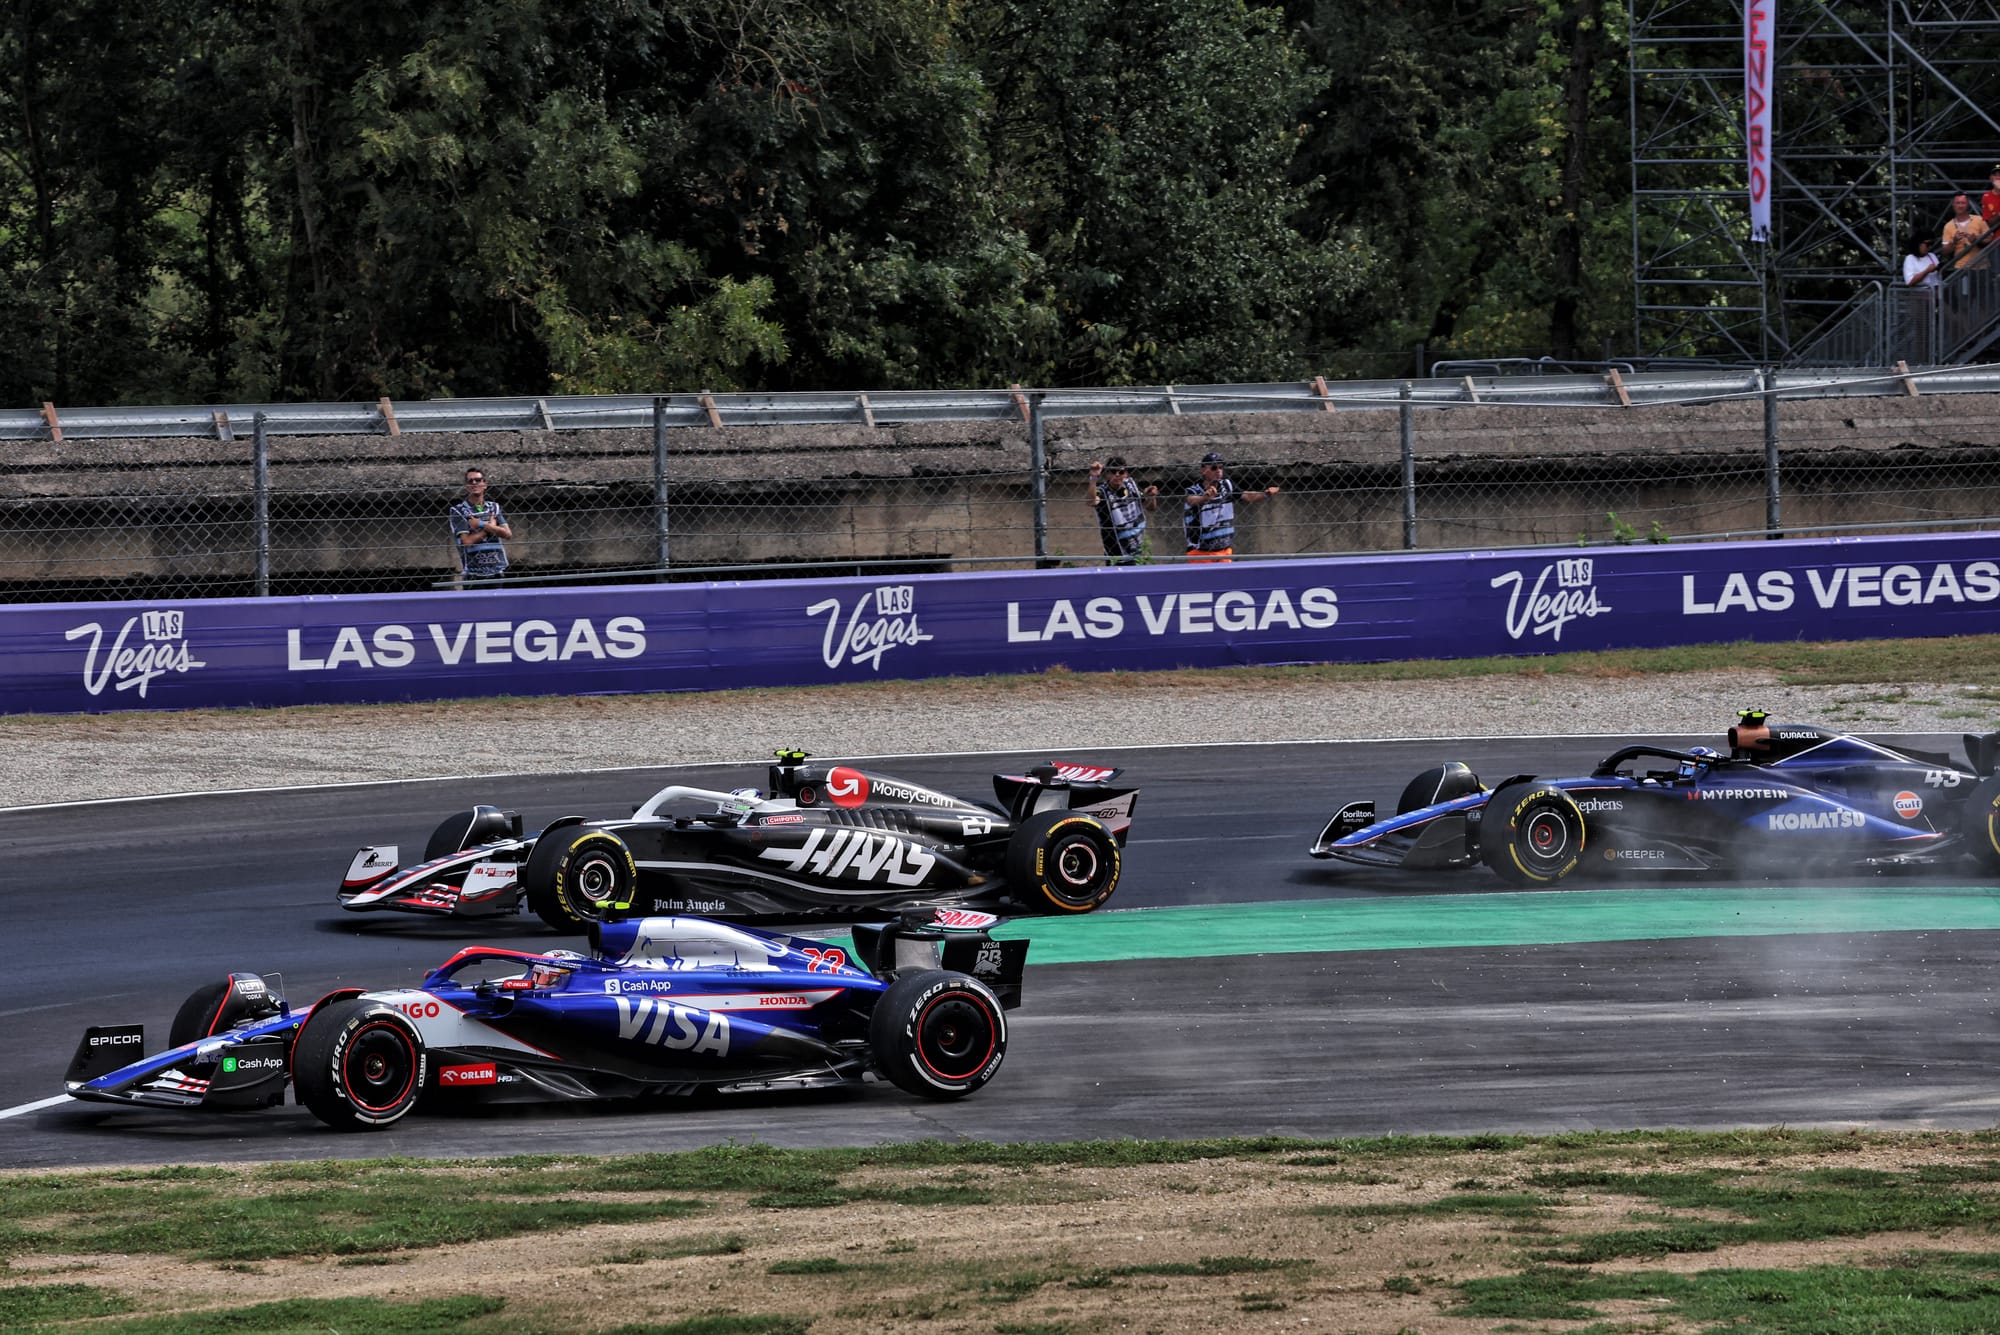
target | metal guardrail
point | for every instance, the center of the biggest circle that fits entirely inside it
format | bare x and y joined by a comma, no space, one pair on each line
895,407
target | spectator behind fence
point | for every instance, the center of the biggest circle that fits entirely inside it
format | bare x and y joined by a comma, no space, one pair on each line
1989,203
1920,266
1211,512
477,526
1121,509
1964,232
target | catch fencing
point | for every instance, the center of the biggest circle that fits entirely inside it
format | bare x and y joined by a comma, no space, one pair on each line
282,500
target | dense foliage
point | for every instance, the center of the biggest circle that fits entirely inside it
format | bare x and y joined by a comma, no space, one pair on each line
276,200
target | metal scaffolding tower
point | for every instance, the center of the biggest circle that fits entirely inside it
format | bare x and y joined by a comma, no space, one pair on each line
1883,110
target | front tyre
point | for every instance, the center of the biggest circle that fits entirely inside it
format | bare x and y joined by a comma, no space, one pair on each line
578,875
938,1035
467,829
359,1065
1062,862
1980,823
1531,834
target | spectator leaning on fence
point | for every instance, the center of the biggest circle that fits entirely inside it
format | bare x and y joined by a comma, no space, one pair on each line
1121,509
1964,232
477,526
1211,512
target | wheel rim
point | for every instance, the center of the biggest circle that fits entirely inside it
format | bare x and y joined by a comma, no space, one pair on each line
1547,836
955,1037
1077,864
596,880
378,1067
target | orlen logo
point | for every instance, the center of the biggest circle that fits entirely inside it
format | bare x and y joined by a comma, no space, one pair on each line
1547,613
127,667
864,640
1908,805
846,787
479,1073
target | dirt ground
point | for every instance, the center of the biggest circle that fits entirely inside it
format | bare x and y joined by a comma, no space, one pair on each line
1043,1256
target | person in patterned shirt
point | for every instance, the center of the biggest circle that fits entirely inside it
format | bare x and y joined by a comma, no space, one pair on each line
479,527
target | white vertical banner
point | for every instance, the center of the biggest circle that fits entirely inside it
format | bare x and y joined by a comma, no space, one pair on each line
1759,18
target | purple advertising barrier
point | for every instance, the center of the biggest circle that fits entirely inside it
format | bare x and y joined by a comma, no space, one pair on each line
79,657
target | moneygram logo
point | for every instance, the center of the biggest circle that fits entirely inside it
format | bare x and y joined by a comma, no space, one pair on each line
133,665
1544,610
881,621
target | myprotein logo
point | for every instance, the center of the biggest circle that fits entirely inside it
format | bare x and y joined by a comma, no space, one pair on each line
883,620
1545,610
133,665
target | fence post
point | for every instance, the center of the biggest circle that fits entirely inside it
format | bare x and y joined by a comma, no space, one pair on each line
260,502
1038,485
1772,495
1406,433
661,554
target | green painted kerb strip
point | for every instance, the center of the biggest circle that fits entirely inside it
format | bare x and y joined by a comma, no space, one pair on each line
1549,917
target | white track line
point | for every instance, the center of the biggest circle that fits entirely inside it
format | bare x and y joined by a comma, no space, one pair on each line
36,1106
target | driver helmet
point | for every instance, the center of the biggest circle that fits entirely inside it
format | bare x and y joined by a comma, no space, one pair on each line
546,975
1698,761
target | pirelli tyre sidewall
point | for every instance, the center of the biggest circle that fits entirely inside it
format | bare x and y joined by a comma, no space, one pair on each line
937,1034
1982,823
359,1065
579,875
1531,834
1062,862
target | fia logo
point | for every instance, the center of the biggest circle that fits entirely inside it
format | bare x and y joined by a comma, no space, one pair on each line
133,667
862,638
1546,612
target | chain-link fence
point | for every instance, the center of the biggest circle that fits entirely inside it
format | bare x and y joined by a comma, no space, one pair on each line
753,487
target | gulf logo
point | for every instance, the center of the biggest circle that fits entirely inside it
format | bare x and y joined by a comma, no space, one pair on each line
1908,805
846,787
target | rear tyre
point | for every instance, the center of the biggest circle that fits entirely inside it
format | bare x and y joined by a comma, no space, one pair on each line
359,1065
578,875
1062,862
938,1035
1981,823
466,829
1531,834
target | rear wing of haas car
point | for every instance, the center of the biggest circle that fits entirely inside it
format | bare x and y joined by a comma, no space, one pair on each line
1070,785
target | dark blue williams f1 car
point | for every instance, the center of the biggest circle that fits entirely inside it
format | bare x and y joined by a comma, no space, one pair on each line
659,1006
1786,797
821,842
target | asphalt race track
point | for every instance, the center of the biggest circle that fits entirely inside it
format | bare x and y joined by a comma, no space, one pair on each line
1867,1001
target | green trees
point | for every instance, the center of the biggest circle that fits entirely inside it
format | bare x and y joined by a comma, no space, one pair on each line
282,200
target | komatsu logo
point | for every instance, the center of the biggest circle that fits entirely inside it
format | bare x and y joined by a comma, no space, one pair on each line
666,1025
857,854
1814,820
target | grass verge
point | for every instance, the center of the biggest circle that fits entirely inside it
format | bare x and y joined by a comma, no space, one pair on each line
1775,1231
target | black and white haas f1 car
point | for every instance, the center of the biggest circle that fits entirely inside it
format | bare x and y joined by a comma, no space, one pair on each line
669,1005
825,842
1785,798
